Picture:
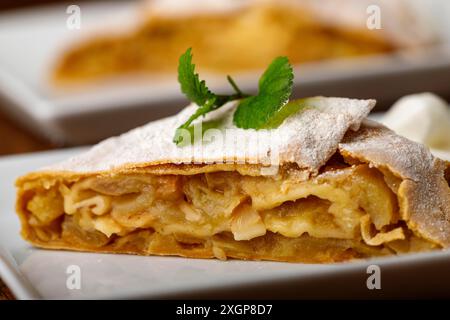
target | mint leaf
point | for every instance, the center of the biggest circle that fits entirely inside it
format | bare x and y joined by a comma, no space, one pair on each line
197,92
285,111
194,88
201,111
266,110
275,87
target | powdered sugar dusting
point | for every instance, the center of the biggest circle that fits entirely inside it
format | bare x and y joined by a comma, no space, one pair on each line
382,146
307,138
426,194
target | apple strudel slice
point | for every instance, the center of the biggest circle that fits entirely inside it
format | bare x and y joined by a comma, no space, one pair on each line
342,188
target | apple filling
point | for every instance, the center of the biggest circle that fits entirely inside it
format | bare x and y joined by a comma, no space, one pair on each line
354,205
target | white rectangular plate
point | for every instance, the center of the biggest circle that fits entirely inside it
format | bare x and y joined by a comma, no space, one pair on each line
31,39
35,273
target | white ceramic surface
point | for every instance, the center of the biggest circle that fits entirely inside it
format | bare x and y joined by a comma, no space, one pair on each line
35,273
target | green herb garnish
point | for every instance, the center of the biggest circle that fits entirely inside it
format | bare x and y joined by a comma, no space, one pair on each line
285,111
275,87
266,110
197,92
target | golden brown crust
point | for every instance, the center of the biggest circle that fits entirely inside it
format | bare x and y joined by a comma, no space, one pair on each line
424,193
304,249
151,168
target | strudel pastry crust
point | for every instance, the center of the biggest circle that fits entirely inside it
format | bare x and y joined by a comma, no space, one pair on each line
345,188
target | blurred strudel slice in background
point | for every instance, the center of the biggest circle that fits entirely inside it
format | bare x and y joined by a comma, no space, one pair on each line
231,36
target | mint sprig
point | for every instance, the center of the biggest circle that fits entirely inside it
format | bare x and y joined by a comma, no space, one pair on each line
266,110
191,85
275,87
197,92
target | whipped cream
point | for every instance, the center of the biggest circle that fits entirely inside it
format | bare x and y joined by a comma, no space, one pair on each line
424,118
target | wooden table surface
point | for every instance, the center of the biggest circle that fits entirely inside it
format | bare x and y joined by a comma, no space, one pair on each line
16,140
